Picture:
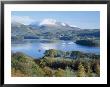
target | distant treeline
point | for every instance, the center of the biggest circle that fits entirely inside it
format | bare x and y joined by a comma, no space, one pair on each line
88,42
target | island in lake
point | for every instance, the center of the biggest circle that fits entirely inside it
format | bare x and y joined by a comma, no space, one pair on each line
50,48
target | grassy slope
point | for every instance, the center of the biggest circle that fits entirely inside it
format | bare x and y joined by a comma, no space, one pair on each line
24,66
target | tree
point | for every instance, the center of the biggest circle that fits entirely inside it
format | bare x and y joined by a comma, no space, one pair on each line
68,53
87,42
48,71
97,68
42,63
81,70
51,53
25,66
76,54
88,69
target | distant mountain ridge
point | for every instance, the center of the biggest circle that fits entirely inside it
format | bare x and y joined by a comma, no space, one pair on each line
52,25
49,29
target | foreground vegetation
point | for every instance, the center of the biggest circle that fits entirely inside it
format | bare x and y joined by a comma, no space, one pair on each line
56,64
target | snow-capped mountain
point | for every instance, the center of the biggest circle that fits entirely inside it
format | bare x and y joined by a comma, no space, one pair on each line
52,23
49,29
46,25
63,24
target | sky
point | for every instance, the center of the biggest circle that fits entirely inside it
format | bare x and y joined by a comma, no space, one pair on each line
81,19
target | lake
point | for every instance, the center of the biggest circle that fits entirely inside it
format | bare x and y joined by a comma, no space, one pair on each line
36,48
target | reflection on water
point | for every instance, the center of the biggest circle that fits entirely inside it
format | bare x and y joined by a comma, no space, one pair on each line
37,49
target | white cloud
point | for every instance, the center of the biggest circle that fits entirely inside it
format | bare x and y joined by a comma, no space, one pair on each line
22,19
48,21
73,25
63,24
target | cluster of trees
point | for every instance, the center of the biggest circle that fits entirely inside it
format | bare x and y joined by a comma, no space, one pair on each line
88,42
52,66
79,67
23,65
70,54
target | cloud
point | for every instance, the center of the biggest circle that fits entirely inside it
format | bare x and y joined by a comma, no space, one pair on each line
22,19
48,21
73,25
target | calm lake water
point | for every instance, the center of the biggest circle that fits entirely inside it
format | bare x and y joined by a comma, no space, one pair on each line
36,49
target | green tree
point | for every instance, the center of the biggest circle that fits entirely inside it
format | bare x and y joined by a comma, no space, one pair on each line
68,53
88,70
51,53
22,64
97,69
42,63
76,54
81,70
48,71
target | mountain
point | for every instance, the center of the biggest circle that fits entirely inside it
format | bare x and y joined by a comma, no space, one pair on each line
52,25
20,29
49,29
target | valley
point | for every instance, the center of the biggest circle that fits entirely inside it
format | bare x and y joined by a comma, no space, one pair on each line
54,49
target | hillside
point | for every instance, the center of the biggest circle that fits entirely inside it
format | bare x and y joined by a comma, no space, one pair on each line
53,66
57,30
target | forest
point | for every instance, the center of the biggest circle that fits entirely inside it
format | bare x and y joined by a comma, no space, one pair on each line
56,63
